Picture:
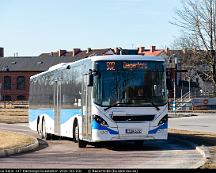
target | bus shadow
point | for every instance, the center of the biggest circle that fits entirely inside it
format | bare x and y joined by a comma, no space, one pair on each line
150,145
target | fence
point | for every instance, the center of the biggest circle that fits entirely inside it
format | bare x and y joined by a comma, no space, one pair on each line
201,103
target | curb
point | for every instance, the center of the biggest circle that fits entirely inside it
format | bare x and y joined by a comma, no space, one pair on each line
202,150
12,151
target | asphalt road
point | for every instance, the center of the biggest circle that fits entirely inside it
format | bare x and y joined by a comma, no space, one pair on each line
204,122
63,153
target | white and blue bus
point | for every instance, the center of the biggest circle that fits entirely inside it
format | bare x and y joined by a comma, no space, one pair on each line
101,98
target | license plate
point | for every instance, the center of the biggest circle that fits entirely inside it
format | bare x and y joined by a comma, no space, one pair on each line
133,131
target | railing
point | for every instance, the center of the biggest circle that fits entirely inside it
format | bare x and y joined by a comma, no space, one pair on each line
180,106
14,104
182,103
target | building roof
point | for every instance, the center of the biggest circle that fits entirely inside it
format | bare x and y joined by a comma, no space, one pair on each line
37,64
79,53
154,53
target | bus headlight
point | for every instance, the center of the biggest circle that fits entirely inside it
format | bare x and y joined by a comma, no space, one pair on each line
163,120
99,120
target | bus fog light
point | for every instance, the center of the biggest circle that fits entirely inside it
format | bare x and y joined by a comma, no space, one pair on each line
100,120
163,120
103,132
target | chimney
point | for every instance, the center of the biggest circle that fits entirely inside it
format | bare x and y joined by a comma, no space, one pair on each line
88,50
62,52
141,50
1,52
116,50
152,48
167,50
75,51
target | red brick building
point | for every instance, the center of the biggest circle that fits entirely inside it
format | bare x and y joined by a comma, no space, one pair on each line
15,72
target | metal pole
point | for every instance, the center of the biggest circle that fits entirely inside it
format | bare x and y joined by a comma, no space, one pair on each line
189,89
181,96
175,85
174,100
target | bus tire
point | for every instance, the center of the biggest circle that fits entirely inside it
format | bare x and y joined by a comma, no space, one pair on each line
45,135
81,143
39,128
75,131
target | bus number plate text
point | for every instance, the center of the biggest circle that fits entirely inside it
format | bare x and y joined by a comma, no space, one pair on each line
133,131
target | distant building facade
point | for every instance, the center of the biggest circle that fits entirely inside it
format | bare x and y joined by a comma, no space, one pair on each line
15,72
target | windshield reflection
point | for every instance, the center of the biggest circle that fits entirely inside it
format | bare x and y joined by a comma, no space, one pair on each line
130,84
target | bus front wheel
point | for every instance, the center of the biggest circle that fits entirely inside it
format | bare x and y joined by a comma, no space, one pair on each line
81,143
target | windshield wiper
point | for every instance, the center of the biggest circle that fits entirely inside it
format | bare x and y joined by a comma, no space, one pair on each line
114,104
155,106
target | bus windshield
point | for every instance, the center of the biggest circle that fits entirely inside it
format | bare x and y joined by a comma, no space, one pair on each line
130,83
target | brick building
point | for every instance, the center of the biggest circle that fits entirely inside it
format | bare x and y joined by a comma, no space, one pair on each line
15,72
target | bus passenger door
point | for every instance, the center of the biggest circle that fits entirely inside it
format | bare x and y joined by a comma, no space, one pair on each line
57,107
86,120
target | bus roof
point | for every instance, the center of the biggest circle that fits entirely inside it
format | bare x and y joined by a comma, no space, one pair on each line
127,58
104,58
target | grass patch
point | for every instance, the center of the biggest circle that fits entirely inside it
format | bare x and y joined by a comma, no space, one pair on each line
14,140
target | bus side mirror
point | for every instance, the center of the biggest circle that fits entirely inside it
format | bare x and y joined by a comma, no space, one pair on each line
90,78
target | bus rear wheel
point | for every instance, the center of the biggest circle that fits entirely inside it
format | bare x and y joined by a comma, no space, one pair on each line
39,129
44,134
81,143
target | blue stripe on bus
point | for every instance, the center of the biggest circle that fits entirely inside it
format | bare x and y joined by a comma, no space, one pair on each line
34,113
66,114
154,131
97,126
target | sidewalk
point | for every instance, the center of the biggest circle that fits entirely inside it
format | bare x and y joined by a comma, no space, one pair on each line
190,114
14,143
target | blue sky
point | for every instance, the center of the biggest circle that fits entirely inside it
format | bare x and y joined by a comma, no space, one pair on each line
31,27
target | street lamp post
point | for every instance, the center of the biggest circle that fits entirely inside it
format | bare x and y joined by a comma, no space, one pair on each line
174,100
189,88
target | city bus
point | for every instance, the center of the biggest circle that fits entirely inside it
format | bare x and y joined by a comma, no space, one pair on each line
101,98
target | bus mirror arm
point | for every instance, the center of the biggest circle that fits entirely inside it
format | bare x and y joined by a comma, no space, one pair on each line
90,79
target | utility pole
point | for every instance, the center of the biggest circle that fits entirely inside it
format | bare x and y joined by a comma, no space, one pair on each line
174,102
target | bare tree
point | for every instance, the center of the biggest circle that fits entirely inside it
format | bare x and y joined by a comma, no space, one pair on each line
197,18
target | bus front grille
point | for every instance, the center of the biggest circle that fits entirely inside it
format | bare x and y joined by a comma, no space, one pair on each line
132,118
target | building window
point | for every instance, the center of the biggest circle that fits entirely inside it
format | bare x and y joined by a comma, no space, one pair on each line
20,97
6,98
7,82
20,82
